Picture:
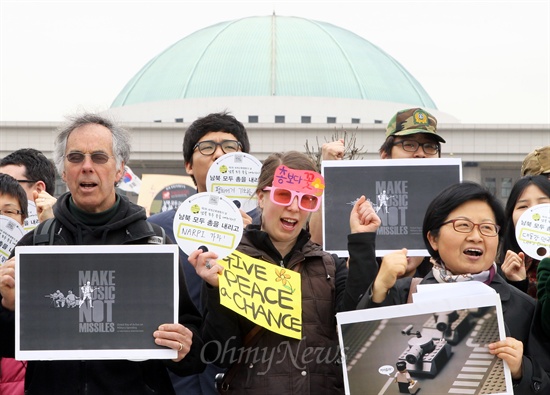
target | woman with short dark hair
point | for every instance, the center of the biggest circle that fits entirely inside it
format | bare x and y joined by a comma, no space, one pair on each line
462,227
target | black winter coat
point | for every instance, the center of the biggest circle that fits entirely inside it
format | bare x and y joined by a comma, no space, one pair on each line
128,226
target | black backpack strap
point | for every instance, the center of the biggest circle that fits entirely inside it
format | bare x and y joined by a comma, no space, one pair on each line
159,231
163,234
44,233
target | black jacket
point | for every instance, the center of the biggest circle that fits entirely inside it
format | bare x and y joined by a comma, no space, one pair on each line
128,226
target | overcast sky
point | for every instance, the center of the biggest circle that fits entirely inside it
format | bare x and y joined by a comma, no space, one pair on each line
481,61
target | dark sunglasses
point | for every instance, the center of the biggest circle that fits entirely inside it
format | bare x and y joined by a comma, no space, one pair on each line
99,158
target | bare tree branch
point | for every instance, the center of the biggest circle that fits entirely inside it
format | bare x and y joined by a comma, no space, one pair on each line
351,151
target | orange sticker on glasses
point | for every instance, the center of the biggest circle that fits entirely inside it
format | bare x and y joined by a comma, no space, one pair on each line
305,181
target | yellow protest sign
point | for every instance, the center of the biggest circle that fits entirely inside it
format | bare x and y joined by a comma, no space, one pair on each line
266,294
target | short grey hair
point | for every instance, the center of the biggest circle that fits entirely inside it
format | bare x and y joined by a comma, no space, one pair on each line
121,138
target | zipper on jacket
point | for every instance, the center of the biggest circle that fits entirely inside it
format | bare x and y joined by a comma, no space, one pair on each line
247,383
83,377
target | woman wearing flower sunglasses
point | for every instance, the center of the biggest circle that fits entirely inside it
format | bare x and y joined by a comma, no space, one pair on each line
289,190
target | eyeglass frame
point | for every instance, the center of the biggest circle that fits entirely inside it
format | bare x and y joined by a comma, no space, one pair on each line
453,221
402,142
17,212
28,181
293,194
216,145
100,153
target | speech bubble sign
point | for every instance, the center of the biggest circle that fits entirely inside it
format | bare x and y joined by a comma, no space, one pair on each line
208,219
533,231
386,370
235,175
10,233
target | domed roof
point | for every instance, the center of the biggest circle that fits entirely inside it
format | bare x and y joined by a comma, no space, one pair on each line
273,56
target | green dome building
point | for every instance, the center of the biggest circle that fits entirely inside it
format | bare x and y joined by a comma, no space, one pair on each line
272,69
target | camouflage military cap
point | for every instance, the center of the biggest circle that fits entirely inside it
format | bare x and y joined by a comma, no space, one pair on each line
537,162
412,121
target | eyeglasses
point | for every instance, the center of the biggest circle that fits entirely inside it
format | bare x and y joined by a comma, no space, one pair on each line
27,181
208,147
11,212
466,226
412,146
285,197
99,158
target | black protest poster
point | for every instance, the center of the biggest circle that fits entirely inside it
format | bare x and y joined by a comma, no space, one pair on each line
94,302
400,190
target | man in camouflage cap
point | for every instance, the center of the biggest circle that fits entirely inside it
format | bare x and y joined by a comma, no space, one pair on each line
412,133
537,162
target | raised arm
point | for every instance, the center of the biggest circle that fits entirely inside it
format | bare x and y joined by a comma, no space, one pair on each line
333,150
362,257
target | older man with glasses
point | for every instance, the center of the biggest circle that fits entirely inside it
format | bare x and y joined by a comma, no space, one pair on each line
90,154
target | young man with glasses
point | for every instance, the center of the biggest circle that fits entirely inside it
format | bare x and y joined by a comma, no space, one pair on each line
36,174
13,200
412,133
205,140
